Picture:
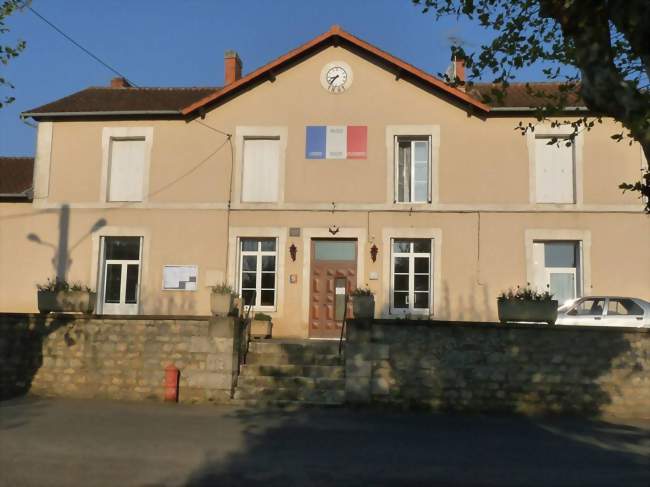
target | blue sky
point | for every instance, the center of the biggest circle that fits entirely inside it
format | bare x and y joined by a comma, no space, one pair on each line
181,43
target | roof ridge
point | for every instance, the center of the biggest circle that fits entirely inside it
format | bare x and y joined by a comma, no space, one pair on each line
160,88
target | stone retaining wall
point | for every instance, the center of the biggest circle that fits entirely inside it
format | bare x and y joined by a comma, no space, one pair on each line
488,367
117,357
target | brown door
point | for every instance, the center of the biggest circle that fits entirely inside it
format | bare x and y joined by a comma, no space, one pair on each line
333,274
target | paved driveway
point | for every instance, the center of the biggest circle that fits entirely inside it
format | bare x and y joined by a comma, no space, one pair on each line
47,442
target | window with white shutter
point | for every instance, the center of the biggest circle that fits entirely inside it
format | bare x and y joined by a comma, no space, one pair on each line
126,170
261,168
554,171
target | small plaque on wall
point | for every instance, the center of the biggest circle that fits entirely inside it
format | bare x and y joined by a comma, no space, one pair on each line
180,277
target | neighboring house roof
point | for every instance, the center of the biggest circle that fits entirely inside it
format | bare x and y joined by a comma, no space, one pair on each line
16,174
132,101
524,95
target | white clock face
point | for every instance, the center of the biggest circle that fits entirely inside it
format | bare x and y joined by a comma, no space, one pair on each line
336,77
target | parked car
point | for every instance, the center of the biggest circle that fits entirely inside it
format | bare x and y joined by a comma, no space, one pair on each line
605,311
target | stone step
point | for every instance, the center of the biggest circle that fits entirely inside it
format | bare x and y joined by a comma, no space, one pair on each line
270,394
323,371
298,383
295,347
294,358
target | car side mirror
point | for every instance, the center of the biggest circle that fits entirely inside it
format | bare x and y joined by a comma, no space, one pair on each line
572,312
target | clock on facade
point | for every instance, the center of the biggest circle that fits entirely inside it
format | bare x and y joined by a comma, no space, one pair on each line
336,77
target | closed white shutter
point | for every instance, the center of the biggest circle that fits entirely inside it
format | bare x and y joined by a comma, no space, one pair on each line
126,170
261,170
554,172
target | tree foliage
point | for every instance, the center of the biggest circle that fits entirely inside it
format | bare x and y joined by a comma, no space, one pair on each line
8,51
596,50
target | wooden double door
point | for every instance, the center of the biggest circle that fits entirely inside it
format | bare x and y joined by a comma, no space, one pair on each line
333,275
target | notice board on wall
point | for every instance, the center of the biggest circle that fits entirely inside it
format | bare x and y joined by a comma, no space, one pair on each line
180,277
336,142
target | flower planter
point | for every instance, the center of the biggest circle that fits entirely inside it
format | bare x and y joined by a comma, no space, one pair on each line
221,304
261,328
535,311
363,307
66,301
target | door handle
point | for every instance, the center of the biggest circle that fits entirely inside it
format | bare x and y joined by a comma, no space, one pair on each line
639,318
598,317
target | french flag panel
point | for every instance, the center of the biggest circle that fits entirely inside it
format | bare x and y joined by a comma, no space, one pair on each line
357,142
337,142
315,142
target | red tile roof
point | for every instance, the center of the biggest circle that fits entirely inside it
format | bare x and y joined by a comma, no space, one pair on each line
124,100
16,174
523,95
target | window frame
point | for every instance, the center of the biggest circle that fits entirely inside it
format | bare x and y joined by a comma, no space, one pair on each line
258,253
112,140
411,286
279,149
397,138
574,188
577,271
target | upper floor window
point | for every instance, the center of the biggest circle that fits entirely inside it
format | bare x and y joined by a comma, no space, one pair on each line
412,169
126,169
261,169
554,170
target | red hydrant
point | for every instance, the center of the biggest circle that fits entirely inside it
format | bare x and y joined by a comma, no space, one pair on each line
171,383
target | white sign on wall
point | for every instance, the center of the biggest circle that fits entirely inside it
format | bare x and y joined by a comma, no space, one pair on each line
180,277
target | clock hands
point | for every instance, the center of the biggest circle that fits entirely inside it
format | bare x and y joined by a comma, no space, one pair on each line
332,79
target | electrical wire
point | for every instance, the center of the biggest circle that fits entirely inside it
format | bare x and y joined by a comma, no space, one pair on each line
111,68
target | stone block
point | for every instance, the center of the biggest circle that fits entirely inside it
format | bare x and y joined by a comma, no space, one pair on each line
211,380
357,389
222,327
200,344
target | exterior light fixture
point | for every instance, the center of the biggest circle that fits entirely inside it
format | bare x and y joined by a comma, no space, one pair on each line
293,250
373,252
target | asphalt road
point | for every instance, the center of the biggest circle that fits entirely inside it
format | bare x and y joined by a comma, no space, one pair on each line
47,442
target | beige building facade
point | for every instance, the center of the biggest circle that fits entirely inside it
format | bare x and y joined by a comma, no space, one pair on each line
441,205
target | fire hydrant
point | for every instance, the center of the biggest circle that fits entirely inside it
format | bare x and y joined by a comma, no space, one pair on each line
171,383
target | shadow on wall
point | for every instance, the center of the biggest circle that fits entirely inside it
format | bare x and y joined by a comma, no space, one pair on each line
21,350
351,448
530,370
62,250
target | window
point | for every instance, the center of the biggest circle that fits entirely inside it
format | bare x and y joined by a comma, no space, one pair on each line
558,269
623,307
122,262
258,264
261,168
411,276
412,170
588,307
126,170
554,171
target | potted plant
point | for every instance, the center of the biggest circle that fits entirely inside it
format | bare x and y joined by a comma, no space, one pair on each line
261,326
526,304
363,303
221,299
59,296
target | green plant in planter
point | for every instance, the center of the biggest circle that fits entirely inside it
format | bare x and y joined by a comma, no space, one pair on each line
222,299
262,317
362,291
526,304
61,296
363,303
222,288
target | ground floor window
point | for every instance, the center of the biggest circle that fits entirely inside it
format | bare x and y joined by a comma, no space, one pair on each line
258,268
411,276
121,274
558,268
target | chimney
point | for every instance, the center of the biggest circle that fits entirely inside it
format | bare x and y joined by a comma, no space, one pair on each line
120,82
459,68
232,67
